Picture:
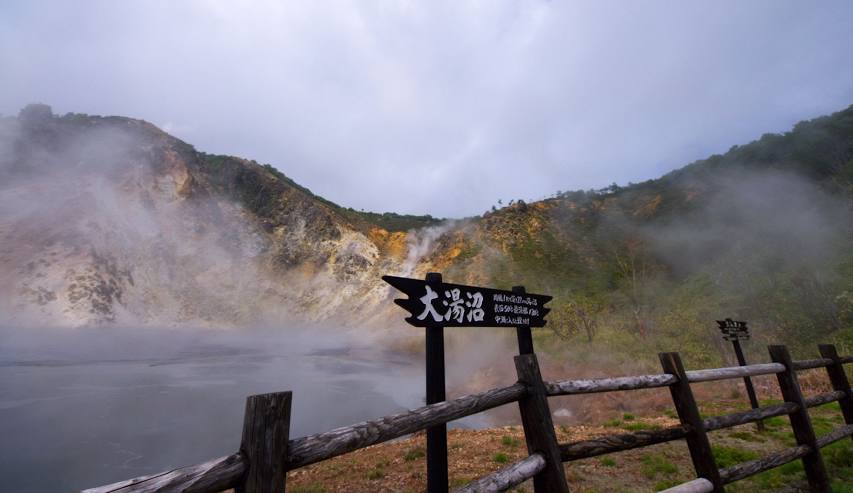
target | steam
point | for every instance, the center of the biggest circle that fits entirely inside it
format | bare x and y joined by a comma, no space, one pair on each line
764,245
100,223
420,243
126,401
752,215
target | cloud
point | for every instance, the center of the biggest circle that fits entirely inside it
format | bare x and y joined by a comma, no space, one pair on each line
438,107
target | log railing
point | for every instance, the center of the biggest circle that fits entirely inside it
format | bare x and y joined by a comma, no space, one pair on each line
267,453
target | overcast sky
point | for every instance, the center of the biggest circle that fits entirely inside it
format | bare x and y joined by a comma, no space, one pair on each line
438,107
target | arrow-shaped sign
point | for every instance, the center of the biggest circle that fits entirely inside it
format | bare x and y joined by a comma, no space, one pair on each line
455,305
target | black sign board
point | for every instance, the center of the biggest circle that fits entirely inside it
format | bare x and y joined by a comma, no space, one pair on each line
733,330
434,304
455,305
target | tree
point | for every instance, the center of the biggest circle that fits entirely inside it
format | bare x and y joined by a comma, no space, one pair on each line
579,314
631,266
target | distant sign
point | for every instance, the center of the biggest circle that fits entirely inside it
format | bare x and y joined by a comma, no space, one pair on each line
733,330
455,305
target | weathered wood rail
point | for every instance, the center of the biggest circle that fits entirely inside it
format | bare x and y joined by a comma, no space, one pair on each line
267,453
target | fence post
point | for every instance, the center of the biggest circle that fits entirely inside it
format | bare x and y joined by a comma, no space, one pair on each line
538,427
266,430
688,412
800,420
839,381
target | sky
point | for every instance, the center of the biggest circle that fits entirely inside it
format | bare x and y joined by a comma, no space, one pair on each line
438,107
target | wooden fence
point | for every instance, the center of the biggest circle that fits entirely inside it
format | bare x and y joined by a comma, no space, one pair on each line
267,452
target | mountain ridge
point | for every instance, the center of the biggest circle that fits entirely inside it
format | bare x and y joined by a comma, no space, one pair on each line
608,254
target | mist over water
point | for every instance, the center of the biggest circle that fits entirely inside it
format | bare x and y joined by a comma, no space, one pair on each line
85,407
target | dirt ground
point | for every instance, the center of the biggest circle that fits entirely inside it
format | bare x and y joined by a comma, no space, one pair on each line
400,466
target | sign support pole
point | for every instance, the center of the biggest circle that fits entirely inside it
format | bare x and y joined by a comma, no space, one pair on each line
436,305
437,481
734,331
525,337
750,390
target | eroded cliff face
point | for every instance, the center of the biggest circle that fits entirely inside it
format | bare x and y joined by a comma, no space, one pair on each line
110,220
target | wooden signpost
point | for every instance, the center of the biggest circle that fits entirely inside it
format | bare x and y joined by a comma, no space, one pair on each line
435,305
736,331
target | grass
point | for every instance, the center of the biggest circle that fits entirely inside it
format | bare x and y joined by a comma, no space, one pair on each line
640,426
509,441
414,454
746,436
607,461
375,474
628,417
727,456
666,483
657,464
459,482
500,458
775,422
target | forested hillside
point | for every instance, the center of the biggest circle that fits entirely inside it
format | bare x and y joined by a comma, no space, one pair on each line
762,233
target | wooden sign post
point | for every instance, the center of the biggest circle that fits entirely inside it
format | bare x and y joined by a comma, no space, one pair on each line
735,331
436,436
434,305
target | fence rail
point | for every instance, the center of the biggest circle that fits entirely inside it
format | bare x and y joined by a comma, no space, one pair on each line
267,453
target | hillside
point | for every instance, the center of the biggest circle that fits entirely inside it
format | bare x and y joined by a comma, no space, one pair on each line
111,220
763,233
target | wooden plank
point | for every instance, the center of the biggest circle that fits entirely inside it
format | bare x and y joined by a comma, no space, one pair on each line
507,477
835,435
800,420
266,429
824,398
740,418
838,379
538,426
847,359
321,446
214,475
617,443
688,413
808,364
699,485
571,387
710,375
753,467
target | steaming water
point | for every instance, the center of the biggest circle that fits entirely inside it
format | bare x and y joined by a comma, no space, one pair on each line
84,409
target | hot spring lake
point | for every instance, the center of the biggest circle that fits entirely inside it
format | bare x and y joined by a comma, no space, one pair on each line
84,408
